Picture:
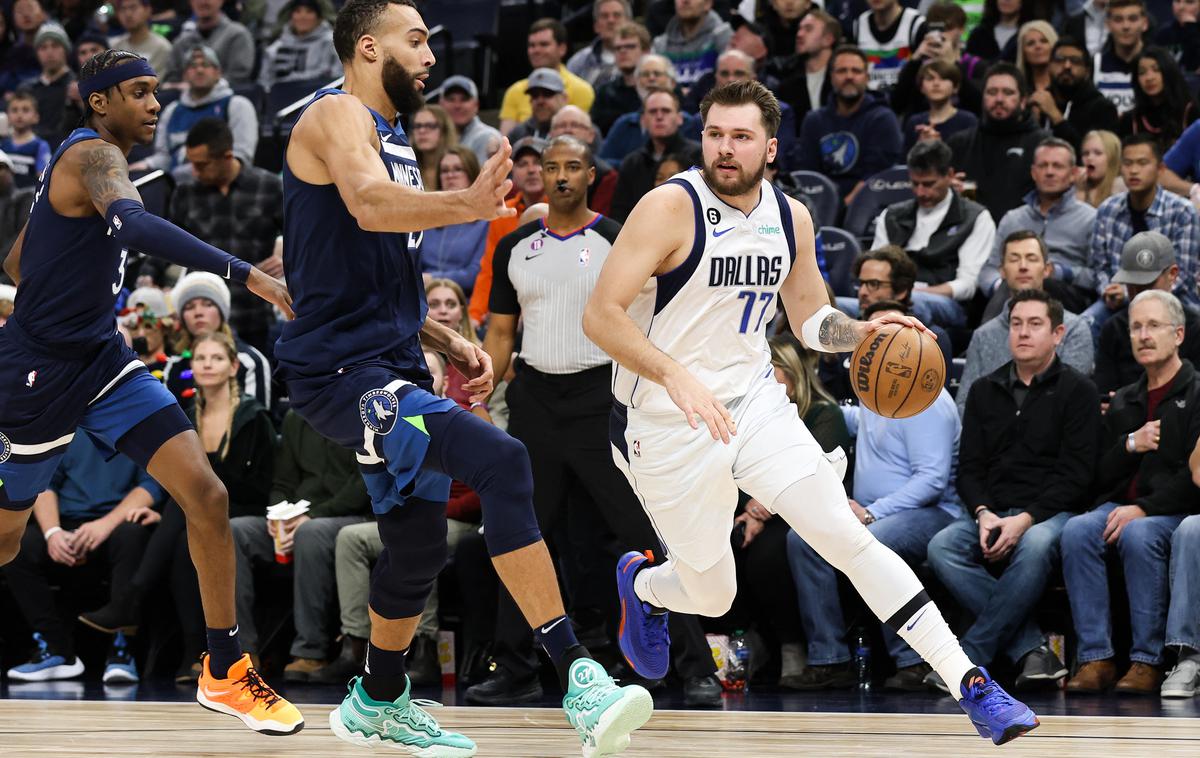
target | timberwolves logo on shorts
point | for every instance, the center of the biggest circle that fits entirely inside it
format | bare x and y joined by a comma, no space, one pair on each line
5,448
377,409
839,152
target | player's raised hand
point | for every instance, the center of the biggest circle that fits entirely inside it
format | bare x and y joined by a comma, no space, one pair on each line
698,404
272,290
492,185
475,365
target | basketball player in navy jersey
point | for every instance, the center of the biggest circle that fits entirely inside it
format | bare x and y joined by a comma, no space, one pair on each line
354,208
66,370
683,305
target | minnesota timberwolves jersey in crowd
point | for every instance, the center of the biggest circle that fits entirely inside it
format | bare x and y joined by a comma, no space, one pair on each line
358,295
71,272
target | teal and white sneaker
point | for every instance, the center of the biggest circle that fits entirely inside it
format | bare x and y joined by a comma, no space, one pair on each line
402,725
602,713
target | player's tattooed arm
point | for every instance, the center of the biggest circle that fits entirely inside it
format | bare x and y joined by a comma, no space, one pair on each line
839,333
105,175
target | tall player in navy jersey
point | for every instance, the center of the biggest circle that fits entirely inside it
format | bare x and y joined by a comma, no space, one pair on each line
353,211
65,369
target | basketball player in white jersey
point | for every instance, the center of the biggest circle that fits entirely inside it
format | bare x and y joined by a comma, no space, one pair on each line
683,305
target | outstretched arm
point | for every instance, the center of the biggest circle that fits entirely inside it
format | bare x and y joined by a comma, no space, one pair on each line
647,246
12,264
104,174
335,143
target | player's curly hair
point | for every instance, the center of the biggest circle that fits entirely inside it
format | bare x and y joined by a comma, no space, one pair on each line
102,62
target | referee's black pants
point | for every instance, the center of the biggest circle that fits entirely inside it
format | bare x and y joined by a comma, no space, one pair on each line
563,421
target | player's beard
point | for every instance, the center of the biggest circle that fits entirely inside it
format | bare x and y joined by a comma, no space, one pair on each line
739,185
401,87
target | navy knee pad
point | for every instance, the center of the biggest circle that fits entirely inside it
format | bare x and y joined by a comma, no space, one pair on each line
496,466
414,553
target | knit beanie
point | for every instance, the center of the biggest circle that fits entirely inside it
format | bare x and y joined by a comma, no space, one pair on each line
202,284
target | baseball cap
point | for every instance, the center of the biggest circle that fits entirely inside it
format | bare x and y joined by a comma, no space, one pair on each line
463,83
547,79
528,144
206,52
1145,256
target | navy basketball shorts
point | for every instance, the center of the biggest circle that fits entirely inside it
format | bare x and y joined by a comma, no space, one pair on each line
372,410
46,400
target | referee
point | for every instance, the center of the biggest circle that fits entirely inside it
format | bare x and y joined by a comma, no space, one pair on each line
559,406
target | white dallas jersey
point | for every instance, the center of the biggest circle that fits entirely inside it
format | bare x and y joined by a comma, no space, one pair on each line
711,313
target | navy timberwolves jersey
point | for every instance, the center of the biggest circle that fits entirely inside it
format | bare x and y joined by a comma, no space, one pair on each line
358,295
71,271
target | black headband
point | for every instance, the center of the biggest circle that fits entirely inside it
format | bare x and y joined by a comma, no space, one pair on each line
115,75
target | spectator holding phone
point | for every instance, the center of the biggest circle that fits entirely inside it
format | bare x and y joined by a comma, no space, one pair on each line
1026,460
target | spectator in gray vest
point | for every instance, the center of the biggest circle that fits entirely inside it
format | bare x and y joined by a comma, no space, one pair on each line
460,99
207,94
232,42
1064,224
1025,266
946,235
304,50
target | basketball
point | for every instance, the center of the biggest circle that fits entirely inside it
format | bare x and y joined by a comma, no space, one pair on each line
898,371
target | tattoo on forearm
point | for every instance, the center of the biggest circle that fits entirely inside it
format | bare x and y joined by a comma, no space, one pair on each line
838,333
105,174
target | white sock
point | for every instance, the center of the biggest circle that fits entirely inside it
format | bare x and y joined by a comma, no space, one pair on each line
641,587
927,633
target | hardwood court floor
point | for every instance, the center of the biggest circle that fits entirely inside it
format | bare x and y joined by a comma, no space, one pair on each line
61,729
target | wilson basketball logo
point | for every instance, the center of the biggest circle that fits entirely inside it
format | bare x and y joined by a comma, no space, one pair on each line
862,374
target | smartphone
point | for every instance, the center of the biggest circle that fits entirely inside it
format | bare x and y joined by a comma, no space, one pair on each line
993,535
936,29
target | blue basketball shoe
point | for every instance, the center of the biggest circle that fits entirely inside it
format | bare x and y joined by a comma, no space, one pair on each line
994,713
643,635
44,666
602,713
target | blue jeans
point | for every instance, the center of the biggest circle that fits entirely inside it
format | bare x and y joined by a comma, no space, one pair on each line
1183,619
1097,315
944,311
1142,547
907,533
1003,607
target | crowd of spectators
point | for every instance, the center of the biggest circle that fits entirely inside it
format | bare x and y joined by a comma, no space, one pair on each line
1022,179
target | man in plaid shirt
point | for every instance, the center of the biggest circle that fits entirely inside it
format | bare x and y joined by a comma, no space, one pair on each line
236,207
1144,207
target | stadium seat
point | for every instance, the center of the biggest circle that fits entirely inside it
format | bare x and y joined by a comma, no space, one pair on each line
841,248
957,366
155,189
819,194
879,191
465,42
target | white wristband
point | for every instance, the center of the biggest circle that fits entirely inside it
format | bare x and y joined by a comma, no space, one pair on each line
51,532
811,329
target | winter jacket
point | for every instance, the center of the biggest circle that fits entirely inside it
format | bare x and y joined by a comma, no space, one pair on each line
1115,365
178,117
291,58
998,155
848,149
231,41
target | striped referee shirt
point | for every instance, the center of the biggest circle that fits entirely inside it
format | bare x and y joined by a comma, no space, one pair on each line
548,279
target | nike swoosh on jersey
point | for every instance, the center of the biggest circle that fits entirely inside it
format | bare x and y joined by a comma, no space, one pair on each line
529,257
716,234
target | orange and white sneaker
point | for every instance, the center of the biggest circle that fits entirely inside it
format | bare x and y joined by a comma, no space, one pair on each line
243,693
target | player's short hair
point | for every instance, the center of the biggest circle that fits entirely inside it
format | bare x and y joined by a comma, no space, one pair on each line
213,133
744,93
904,270
99,62
554,25
1021,235
1053,307
571,141
356,19
930,155
636,31
1143,138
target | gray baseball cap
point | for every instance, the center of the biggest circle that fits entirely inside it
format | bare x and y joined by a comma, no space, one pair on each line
547,79
528,144
1145,256
463,83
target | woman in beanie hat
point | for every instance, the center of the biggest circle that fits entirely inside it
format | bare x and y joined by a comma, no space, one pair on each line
202,301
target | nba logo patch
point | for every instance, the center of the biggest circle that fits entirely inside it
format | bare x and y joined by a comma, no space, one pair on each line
585,256
5,448
637,448
377,409
537,244
31,378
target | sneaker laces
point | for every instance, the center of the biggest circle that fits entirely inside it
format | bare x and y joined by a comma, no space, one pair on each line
259,689
992,697
655,625
415,715
594,694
